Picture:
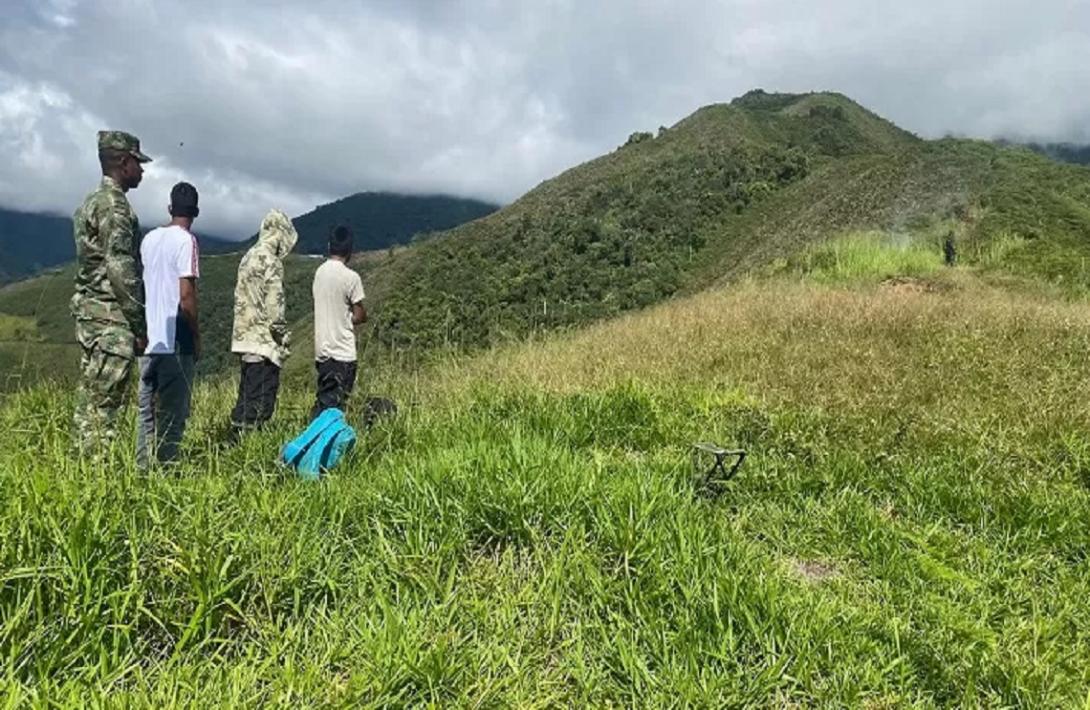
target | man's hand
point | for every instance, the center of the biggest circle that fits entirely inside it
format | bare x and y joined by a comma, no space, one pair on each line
140,344
359,314
280,333
188,308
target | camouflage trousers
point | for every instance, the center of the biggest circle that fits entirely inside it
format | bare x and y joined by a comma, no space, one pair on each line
105,366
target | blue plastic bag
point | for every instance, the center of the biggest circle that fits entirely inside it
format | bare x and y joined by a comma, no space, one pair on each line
324,443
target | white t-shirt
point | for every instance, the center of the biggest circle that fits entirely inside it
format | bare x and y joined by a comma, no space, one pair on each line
169,253
336,289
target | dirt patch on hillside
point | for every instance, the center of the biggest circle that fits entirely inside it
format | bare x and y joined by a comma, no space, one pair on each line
911,285
813,571
907,285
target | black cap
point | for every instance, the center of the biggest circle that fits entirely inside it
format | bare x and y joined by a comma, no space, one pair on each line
183,201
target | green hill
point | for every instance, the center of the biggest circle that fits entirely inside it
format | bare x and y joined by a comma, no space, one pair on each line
37,339
733,189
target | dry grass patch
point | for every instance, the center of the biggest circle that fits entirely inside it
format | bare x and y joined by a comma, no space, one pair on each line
971,352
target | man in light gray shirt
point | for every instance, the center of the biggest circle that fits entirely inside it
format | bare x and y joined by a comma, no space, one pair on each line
338,308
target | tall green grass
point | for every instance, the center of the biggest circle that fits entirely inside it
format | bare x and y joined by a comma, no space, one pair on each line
868,256
911,527
17,328
996,253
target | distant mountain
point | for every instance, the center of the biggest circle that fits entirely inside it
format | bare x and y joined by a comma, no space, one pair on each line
1064,152
384,219
1073,153
31,242
216,245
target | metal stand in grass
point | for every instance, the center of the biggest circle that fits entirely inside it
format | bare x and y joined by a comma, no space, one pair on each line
710,471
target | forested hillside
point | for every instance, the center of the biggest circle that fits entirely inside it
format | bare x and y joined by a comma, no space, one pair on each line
730,189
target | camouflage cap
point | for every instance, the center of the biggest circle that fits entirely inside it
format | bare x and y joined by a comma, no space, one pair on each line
120,140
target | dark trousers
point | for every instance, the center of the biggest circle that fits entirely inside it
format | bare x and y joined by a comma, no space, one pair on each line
166,388
335,382
258,386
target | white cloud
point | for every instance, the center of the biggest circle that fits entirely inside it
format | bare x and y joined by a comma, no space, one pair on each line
41,130
50,144
291,103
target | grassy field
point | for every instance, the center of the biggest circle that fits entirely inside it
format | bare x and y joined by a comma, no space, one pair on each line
911,527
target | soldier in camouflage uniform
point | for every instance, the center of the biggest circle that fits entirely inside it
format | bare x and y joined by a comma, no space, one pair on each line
260,334
108,302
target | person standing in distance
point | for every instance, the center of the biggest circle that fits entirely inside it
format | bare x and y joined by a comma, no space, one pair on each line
338,308
108,304
260,333
170,256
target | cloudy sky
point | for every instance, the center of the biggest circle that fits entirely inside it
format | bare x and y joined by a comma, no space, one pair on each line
263,103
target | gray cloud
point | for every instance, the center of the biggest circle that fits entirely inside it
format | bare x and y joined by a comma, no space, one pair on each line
267,104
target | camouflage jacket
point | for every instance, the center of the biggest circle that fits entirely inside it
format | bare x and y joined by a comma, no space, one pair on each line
109,291
260,326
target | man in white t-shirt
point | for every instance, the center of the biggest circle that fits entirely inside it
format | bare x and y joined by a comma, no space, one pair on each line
170,259
338,308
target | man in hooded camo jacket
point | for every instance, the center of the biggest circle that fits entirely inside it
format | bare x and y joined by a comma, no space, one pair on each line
260,334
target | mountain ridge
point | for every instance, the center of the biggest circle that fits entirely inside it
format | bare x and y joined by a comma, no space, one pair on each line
729,187
382,219
31,242
725,193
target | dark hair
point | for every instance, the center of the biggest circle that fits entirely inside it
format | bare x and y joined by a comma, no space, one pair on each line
183,201
340,241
